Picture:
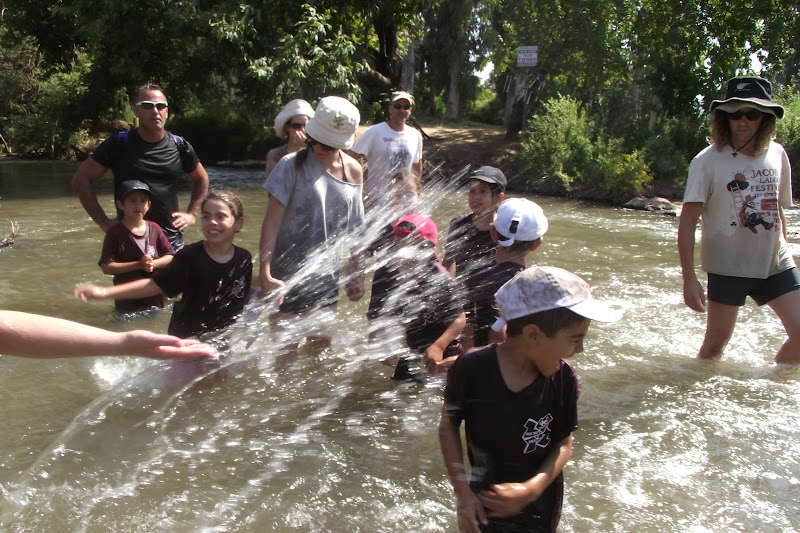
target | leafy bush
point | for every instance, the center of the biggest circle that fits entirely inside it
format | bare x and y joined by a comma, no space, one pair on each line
486,107
559,141
623,173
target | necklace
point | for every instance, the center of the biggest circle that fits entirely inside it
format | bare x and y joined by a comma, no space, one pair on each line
735,151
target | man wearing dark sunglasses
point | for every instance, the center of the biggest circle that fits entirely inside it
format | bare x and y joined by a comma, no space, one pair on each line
739,186
151,154
389,147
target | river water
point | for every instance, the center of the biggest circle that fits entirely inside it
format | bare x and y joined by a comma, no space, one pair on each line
666,442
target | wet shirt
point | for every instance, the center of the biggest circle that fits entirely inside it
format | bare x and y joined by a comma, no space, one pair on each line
484,307
318,209
122,246
742,232
426,304
474,252
509,434
160,165
213,294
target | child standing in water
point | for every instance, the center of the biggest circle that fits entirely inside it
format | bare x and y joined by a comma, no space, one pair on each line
213,275
422,295
134,248
518,400
470,247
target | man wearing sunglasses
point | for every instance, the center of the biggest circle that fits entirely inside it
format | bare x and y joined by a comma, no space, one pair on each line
151,154
739,186
389,147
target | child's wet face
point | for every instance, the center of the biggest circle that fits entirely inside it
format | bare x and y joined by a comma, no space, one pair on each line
135,204
404,195
567,342
480,197
411,253
219,224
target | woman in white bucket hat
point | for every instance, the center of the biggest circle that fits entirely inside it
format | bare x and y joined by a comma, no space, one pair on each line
315,202
290,124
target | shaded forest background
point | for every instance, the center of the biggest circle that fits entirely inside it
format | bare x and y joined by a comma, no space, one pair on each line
616,101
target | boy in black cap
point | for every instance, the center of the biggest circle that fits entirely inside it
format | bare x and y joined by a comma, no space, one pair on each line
134,247
740,185
470,247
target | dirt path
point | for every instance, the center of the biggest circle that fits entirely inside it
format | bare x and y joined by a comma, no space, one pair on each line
456,146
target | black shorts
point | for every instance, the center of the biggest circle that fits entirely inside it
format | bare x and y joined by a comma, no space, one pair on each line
733,290
310,293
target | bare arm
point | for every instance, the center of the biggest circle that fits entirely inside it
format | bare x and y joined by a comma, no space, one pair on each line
89,172
508,499
468,506
416,168
269,235
27,335
435,352
693,294
133,290
199,177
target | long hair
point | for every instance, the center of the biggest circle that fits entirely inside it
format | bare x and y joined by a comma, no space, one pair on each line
721,131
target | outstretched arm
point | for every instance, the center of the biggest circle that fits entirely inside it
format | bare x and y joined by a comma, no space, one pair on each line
693,294
133,290
28,335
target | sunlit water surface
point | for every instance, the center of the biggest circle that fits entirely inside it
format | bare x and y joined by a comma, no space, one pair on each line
666,442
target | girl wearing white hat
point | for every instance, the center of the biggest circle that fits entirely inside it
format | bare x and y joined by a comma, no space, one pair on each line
315,197
290,124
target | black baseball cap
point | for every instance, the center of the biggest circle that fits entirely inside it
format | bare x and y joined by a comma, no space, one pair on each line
127,187
490,175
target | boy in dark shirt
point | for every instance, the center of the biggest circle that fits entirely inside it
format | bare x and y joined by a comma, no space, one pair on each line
134,248
518,400
518,229
470,248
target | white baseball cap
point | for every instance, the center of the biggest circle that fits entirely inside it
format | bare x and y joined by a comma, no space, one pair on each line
541,288
401,95
519,219
334,122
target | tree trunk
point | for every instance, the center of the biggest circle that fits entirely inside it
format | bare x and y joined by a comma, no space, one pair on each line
451,108
407,77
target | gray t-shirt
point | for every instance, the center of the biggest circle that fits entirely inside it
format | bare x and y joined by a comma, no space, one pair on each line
320,210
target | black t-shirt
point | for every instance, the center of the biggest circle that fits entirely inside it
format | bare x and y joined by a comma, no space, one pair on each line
474,252
426,305
509,434
214,294
160,165
483,305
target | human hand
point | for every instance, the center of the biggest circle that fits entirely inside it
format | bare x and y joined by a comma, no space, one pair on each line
146,263
469,511
268,285
507,499
693,295
183,220
89,292
355,288
297,137
156,346
432,356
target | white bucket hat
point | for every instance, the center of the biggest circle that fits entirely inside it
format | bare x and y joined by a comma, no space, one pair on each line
334,123
538,289
292,109
519,219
